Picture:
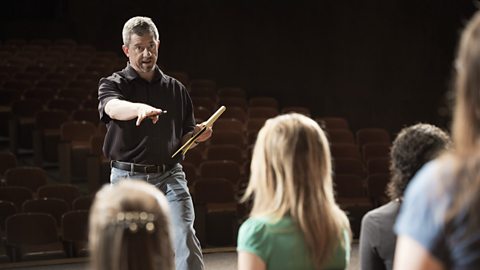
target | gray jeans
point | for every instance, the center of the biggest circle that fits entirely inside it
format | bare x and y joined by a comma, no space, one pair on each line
188,253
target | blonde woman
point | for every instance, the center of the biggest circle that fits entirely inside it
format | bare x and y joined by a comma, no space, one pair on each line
439,222
295,222
130,228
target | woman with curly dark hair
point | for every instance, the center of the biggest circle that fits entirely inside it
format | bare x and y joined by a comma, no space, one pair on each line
413,147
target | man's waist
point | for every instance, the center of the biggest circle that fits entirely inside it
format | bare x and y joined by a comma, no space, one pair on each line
141,168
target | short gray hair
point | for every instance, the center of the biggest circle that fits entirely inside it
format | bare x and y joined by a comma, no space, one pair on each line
139,26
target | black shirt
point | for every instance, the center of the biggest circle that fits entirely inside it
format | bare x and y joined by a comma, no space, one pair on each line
148,143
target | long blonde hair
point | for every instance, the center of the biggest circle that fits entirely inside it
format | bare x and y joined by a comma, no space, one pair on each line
130,228
466,129
466,121
291,175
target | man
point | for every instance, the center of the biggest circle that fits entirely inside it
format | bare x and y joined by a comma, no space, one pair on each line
149,115
413,147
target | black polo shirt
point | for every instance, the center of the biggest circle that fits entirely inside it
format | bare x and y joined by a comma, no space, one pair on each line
148,143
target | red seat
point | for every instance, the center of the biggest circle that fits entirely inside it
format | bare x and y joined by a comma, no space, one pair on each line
52,206
216,211
32,235
75,232
28,177
68,193
16,195
227,169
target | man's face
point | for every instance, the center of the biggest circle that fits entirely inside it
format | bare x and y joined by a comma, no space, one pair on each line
142,52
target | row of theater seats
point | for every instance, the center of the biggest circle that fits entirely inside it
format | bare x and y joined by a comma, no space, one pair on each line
26,198
217,170
39,219
361,163
224,158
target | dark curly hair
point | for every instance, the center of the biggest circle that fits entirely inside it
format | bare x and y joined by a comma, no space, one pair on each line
413,147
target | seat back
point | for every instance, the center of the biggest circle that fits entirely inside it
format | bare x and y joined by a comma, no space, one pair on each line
349,166
6,209
344,150
52,206
372,135
263,102
333,123
31,229
29,177
214,190
375,150
89,115
65,192
378,165
77,131
236,112
225,152
227,169
50,119
229,137
229,124
75,225
82,203
16,195
340,136
262,112
232,92
296,109
7,161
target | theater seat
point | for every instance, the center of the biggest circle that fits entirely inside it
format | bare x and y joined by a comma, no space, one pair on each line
32,236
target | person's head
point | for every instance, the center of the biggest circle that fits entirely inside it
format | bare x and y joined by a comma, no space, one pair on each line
413,147
140,43
466,122
130,228
291,176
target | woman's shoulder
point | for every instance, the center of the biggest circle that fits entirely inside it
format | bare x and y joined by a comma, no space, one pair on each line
265,222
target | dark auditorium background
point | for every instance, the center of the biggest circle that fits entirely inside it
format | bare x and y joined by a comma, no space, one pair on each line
385,63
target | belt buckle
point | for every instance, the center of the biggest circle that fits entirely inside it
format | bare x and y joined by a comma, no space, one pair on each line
160,168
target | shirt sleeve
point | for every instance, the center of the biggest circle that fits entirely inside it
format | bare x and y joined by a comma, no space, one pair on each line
107,90
369,257
423,210
252,238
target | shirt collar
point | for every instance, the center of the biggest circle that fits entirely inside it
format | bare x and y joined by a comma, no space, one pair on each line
131,74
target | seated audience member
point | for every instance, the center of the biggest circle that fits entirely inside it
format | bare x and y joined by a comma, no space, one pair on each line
413,147
295,222
439,222
130,228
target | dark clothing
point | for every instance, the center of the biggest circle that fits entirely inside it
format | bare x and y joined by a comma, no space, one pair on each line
377,238
148,143
132,148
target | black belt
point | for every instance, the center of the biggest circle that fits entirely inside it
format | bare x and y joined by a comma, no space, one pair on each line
140,168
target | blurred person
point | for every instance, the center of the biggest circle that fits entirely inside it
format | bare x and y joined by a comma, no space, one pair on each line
295,222
413,147
149,115
439,224
130,228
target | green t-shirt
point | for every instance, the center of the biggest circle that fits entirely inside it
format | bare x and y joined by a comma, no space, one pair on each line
281,245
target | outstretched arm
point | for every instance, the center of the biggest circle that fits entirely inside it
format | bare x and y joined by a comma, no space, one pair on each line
125,110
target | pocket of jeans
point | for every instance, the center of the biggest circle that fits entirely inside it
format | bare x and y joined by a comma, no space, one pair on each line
177,185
